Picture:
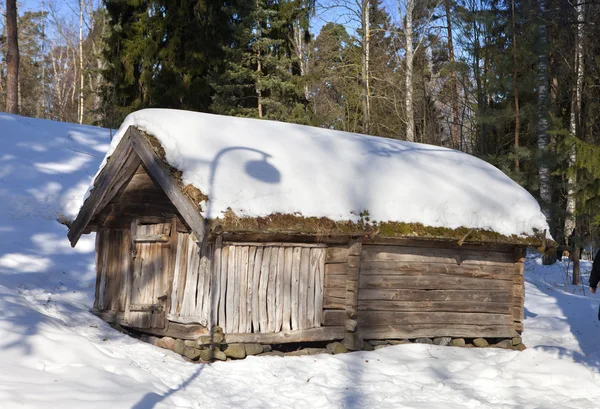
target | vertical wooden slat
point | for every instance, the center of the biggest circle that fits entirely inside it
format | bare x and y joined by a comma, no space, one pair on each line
124,270
201,285
303,287
250,289
287,289
101,248
262,289
296,257
215,292
191,285
319,283
256,274
279,280
231,286
243,289
223,288
206,271
310,291
271,291
180,274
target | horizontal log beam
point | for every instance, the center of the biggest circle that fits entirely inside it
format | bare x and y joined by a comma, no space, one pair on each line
309,335
435,295
152,238
375,318
433,282
437,330
273,244
435,306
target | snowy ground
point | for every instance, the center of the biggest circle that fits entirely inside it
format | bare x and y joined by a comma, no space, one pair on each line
55,354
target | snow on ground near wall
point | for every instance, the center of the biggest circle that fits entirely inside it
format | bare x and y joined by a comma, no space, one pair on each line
257,168
55,354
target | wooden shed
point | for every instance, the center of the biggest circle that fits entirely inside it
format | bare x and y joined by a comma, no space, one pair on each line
165,269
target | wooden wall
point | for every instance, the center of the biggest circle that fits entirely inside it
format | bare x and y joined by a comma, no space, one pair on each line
409,292
249,287
112,263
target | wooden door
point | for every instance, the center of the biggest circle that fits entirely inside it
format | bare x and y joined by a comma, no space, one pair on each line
151,274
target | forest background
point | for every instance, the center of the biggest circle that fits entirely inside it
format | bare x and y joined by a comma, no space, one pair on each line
514,82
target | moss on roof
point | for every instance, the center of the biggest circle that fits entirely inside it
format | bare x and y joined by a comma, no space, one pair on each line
322,227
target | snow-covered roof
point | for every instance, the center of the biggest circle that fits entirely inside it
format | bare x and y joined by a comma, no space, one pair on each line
257,168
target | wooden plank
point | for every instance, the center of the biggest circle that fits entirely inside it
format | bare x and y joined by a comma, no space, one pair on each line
436,330
287,289
231,313
126,269
162,265
216,287
335,292
336,255
303,288
441,243
197,313
262,290
310,289
518,314
426,255
296,258
153,238
145,307
432,282
336,281
271,290
435,295
101,255
188,307
437,306
121,163
330,302
206,269
243,298
375,318
250,288
319,278
223,287
274,244
415,269
256,275
309,335
179,331
336,269
332,318
188,210
279,290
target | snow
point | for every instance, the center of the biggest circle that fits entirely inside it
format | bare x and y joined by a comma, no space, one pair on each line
55,354
258,168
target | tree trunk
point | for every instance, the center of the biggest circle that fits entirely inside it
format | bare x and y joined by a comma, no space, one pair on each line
366,33
453,81
12,59
515,88
80,62
408,33
542,125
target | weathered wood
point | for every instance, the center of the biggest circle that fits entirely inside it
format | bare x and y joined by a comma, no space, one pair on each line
332,318
441,243
262,289
279,288
376,318
243,298
303,288
122,163
335,292
416,269
190,297
287,289
336,255
436,330
230,314
101,254
319,281
435,306
271,290
256,275
330,302
518,314
216,288
206,269
251,289
180,331
310,290
180,276
425,255
355,248
145,307
187,209
433,282
308,335
332,281
435,295
336,269
223,287
296,259
153,238
274,244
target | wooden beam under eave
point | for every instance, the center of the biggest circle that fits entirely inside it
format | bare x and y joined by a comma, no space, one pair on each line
107,184
188,210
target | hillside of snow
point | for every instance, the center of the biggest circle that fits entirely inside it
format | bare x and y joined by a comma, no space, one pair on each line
257,168
55,354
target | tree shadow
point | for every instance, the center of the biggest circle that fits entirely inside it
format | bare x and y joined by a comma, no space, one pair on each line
151,399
